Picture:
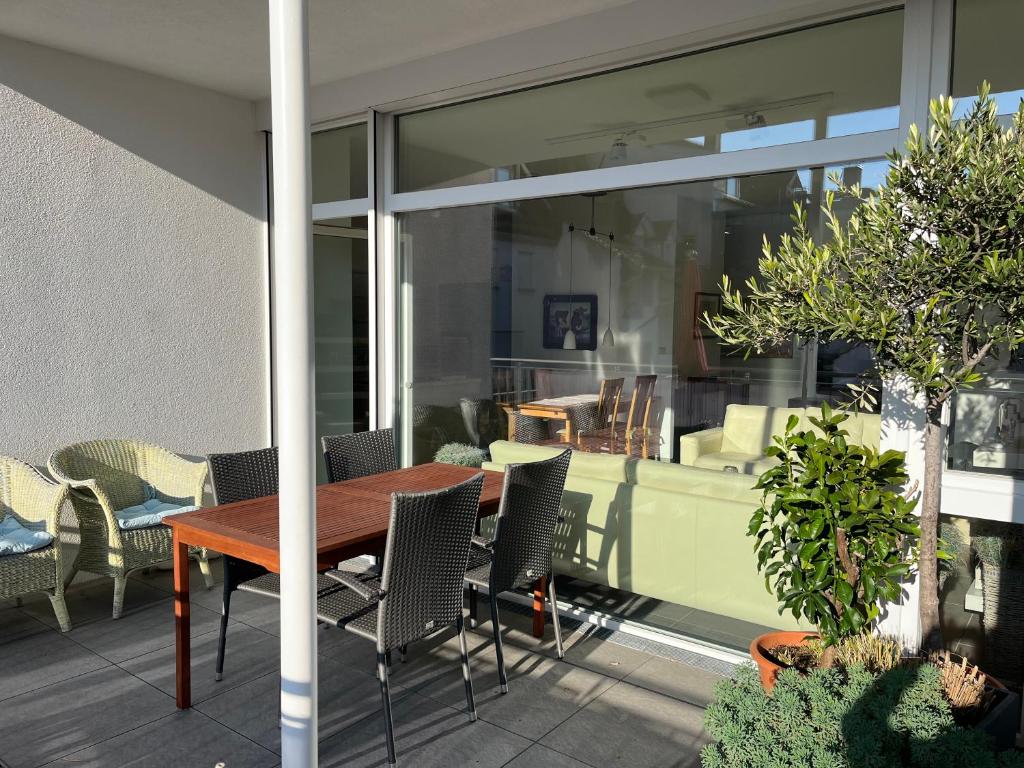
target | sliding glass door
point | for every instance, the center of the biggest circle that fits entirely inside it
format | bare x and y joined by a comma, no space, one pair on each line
341,326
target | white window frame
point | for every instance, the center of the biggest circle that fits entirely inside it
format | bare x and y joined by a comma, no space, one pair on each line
352,208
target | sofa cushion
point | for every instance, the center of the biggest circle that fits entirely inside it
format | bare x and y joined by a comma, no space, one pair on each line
745,463
862,428
701,482
148,513
16,539
596,465
749,428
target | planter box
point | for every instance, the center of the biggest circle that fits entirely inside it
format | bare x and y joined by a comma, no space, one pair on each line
1001,721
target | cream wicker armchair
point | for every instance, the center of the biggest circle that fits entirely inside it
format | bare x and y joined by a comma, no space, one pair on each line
109,475
30,498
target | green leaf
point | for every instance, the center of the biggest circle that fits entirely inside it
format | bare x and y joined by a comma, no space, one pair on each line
844,593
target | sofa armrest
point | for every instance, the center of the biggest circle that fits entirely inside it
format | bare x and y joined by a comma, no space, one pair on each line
697,444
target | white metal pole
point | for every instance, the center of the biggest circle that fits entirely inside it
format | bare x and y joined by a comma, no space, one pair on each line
293,321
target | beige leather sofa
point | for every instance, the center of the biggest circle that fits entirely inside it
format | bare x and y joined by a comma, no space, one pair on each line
748,430
660,530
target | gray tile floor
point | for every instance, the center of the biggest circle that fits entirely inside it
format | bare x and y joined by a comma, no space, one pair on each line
102,695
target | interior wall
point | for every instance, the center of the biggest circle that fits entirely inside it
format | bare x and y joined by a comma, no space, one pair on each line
132,248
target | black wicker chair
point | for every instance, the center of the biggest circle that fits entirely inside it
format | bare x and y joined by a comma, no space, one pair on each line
520,552
420,591
240,477
359,454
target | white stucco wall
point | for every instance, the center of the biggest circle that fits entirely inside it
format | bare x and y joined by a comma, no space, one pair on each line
132,259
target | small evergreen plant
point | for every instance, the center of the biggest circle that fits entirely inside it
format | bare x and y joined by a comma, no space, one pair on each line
832,718
461,454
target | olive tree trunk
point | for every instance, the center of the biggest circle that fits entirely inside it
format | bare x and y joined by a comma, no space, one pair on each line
928,564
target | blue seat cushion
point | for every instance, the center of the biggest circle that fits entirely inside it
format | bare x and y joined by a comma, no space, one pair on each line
16,539
148,513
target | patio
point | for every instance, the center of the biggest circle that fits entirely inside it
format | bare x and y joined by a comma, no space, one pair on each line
103,695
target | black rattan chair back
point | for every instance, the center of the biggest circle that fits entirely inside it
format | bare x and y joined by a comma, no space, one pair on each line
359,454
530,503
425,561
242,476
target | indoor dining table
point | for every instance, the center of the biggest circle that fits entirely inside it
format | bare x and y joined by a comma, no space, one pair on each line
351,519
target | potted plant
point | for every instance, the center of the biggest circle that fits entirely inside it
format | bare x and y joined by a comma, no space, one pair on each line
928,273
461,454
833,536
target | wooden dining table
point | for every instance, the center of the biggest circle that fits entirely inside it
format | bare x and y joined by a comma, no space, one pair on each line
557,409
351,519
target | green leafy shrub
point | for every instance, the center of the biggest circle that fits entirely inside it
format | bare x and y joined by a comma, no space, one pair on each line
834,719
461,454
832,527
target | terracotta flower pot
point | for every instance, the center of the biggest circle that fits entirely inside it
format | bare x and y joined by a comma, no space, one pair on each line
762,652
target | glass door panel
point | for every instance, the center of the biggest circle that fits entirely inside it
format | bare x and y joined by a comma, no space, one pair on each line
341,327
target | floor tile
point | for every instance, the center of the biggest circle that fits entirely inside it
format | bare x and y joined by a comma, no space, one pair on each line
346,696
93,601
538,756
44,725
247,608
181,740
428,735
629,727
141,631
517,628
38,660
543,692
162,577
676,679
250,654
16,624
605,657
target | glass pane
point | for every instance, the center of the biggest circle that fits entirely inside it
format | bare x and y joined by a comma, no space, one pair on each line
341,323
490,291
982,595
987,47
339,163
986,431
777,90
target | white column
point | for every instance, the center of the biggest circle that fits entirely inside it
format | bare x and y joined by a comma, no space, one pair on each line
293,323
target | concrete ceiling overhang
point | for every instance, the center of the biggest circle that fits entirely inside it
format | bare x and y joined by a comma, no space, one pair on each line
222,44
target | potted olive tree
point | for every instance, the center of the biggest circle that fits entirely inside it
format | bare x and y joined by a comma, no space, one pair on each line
834,536
928,273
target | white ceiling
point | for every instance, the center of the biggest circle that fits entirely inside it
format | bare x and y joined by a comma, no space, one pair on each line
222,44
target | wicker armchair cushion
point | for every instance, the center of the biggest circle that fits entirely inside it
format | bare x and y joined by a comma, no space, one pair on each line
16,539
148,514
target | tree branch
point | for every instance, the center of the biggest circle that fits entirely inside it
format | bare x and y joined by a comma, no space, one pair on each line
843,548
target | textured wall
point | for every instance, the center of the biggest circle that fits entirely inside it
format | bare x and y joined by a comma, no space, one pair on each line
132,259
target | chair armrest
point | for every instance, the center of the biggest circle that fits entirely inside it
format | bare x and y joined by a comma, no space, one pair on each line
176,478
483,543
368,592
35,498
697,444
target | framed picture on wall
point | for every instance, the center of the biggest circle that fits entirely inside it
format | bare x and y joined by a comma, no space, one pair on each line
705,301
563,309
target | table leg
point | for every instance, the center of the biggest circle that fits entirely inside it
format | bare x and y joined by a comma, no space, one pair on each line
540,588
568,430
182,645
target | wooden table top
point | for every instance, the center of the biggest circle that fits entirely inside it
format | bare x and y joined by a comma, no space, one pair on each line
349,515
